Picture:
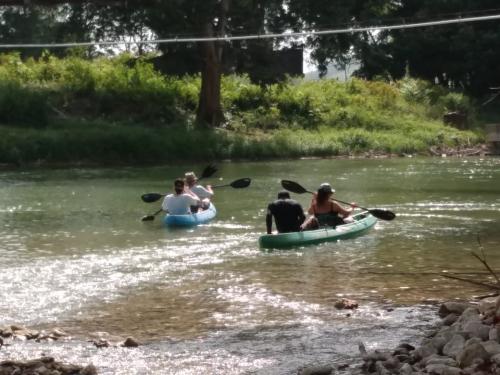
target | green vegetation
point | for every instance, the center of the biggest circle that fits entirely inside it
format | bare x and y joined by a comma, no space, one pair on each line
121,110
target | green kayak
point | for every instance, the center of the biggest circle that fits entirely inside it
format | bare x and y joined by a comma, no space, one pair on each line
363,221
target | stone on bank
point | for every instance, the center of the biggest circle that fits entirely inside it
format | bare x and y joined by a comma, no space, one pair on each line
467,342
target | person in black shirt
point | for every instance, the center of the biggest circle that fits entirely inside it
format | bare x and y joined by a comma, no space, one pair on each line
288,214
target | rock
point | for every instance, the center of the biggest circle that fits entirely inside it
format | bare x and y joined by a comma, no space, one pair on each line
494,334
496,359
89,370
316,370
6,332
492,347
424,351
471,353
470,314
14,327
449,370
473,340
406,369
435,368
25,334
454,346
68,368
377,356
439,360
346,304
101,343
57,332
130,342
392,363
452,307
477,329
450,319
381,370
487,305
44,366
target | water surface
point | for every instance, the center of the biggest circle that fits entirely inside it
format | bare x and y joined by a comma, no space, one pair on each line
74,254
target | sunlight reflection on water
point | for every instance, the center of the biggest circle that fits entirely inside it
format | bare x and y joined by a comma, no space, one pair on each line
208,300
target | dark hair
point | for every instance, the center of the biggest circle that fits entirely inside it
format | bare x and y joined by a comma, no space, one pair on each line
283,195
322,196
179,185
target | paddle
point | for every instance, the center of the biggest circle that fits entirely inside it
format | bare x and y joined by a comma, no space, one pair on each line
237,184
298,189
151,197
152,216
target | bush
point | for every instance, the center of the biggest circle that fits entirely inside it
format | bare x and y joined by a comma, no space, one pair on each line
23,106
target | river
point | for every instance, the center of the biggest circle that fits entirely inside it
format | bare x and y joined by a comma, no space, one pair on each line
75,255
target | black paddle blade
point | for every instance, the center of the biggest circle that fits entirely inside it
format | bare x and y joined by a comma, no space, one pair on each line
208,171
383,214
151,197
293,187
241,183
148,218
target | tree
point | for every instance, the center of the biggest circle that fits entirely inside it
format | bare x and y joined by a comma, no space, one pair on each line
457,55
335,14
98,20
211,18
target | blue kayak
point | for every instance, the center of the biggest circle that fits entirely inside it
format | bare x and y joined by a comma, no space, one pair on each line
191,220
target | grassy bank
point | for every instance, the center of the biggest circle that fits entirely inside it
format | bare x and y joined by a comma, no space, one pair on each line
121,110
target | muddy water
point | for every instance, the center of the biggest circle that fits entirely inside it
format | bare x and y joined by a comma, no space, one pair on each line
74,254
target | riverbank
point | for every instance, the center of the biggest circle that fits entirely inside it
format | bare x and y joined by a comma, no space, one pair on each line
111,146
122,111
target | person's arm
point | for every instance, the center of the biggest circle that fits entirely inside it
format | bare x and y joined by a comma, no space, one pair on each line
300,214
310,211
210,191
341,210
195,201
269,221
164,204
202,192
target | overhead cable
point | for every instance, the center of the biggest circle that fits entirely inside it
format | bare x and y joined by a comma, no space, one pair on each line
285,35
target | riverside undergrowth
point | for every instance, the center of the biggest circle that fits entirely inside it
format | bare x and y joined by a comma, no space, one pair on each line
122,110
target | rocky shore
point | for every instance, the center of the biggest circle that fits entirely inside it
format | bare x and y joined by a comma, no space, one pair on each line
48,365
466,343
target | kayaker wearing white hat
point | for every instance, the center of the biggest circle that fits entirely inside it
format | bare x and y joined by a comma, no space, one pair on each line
324,211
205,194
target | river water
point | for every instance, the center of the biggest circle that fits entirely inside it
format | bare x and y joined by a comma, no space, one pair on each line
75,255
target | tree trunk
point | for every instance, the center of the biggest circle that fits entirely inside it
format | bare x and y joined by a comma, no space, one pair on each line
209,107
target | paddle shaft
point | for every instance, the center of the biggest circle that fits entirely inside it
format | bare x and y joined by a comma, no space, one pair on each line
152,216
237,184
378,213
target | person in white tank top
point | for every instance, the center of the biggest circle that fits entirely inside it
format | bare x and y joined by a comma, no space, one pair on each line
181,201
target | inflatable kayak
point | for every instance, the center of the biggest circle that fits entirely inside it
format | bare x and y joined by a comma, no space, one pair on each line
190,220
363,221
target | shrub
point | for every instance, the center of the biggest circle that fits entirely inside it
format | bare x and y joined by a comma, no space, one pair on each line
19,105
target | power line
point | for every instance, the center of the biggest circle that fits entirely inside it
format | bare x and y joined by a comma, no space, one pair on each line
259,36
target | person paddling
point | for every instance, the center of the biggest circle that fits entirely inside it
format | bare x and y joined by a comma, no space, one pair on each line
324,211
288,214
180,202
204,193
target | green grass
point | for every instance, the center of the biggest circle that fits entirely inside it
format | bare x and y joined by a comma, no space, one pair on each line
120,110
